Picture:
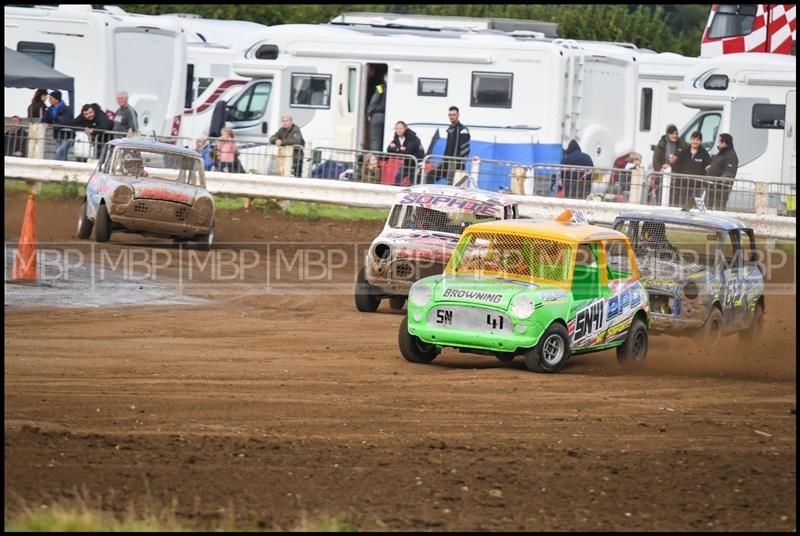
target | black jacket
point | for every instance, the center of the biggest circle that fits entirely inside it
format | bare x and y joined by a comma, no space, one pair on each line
457,141
100,122
693,165
413,145
575,157
724,164
660,153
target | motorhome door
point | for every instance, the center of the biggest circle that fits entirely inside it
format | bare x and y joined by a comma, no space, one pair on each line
347,108
249,113
789,173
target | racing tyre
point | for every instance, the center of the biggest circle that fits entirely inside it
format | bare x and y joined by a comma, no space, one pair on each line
204,241
552,352
753,333
710,334
413,349
366,300
102,225
634,350
397,302
84,224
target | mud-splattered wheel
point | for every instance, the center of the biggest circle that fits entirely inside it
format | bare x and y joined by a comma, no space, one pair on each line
552,352
397,302
204,241
634,351
710,334
366,299
414,349
753,333
84,224
102,225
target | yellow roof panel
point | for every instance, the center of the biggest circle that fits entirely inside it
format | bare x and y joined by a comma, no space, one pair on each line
561,232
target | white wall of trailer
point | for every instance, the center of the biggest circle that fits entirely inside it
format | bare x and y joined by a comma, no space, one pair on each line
755,103
558,90
105,52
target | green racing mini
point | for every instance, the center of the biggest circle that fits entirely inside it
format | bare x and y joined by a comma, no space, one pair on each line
545,291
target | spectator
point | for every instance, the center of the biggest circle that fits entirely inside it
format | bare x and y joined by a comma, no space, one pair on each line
692,161
376,112
665,159
289,134
406,143
370,169
93,120
456,150
577,183
125,118
227,150
205,149
58,114
38,105
724,164
15,137
633,165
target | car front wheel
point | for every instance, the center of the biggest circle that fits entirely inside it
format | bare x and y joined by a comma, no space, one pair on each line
413,348
710,334
102,225
84,224
204,241
552,351
366,300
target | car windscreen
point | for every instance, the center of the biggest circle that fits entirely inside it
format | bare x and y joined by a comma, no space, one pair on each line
680,243
508,255
427,219
157,164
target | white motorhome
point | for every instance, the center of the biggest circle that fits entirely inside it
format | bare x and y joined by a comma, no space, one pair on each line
522,97
105,51
751,96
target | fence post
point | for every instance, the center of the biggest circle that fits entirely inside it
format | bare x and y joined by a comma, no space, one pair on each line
637,178
37,138
665,184
761,198
474,172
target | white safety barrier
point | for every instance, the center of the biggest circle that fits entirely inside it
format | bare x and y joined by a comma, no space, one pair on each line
374,195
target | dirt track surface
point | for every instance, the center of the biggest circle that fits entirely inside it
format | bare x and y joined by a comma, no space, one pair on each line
269,406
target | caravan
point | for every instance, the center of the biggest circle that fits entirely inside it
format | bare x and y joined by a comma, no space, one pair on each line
105,51
523,98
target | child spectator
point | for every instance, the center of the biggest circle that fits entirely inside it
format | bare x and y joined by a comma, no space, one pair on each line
206,151
227,150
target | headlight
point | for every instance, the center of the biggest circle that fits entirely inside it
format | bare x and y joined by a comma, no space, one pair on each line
203,209
691,291
122,195
522,306
420,294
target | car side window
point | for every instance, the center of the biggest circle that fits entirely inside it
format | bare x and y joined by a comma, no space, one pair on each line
618,261
586,275
726,252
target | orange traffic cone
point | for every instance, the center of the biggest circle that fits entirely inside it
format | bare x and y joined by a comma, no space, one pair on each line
25,263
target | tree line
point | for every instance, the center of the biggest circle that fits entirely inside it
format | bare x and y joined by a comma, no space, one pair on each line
662,28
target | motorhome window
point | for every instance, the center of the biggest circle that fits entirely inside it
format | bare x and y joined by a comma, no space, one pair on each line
432,87
41,52
646,114
311,91
352,82
267,52
189,86
708,126
491,90
716,82
252,103
769,115
731,20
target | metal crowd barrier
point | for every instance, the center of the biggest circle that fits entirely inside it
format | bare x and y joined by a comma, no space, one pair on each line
475,172
56,142
374,167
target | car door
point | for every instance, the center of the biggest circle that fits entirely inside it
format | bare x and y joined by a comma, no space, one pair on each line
729,267
249,112
751,275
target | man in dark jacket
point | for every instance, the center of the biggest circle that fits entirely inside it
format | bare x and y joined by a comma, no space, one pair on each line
92,119
289,134
576,183
692,161
666,153
376,113
724,164
58,114
406,143
456,150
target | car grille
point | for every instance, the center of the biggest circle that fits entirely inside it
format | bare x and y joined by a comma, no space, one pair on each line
403,271
181,213
140,209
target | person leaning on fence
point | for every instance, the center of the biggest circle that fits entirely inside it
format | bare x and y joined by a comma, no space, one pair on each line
692,161
93,120
370,169
724,164
406,144
202,146
125,118
57,115
227,150
38,105
15,137
456,150
576,183
289,134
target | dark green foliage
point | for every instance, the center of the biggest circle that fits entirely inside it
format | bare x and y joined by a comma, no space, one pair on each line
663,28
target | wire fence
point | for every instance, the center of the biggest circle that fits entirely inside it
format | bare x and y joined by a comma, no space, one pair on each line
638,186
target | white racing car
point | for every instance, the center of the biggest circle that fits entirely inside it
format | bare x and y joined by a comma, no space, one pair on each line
419,237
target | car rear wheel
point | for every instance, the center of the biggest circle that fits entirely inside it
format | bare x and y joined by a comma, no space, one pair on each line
753,333
710,334
634,351
413,348
85,225
102,225
366,299
397,302
552,351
